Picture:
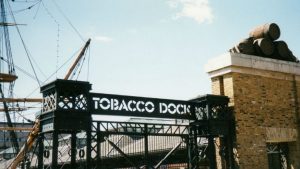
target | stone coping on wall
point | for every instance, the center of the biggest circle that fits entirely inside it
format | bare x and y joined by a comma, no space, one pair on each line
277,135
250,64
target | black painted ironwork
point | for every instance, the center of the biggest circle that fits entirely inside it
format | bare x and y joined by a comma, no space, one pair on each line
138,144
70,139
118,105
277,155
65,114
213,121
128,128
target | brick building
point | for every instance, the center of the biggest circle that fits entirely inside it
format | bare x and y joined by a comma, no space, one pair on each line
265,95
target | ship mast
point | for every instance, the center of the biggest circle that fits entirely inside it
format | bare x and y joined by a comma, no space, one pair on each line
10,76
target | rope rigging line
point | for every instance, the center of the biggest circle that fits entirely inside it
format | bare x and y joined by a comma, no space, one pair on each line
10,63
37,10
25,48
57,49
1,50
23,116
78,66
68,20
28,120
10,67
22,70
27,8
58,35
69,59
32,106
83,59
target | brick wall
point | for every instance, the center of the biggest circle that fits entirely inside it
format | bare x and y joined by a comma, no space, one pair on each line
262,99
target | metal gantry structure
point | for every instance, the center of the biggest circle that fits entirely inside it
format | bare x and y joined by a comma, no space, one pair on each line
70,138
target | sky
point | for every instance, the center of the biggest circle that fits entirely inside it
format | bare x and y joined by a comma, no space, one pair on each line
149,48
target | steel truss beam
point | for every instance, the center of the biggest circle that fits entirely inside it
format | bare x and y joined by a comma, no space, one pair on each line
111,127
103,129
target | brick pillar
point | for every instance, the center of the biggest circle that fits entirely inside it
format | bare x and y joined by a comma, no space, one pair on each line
265,95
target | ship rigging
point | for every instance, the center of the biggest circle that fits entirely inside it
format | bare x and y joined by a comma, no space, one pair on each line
10,102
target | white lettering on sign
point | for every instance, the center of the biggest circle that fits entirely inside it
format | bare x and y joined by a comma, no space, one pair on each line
130,105
139,105
149,106
174,108
106,101
123,105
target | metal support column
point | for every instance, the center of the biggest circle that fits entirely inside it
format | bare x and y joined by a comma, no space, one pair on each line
88,148
211,143
212,153
41,151
54,150
193,148
98,155
73,149
187,143
146,147
229,153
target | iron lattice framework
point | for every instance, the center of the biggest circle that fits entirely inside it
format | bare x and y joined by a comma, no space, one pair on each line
70,139
213,120
141,145
65,114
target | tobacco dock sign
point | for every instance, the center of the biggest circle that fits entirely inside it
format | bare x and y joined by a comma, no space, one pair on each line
108,104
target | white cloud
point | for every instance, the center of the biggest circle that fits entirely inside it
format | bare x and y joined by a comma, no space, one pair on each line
198,10
102,39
